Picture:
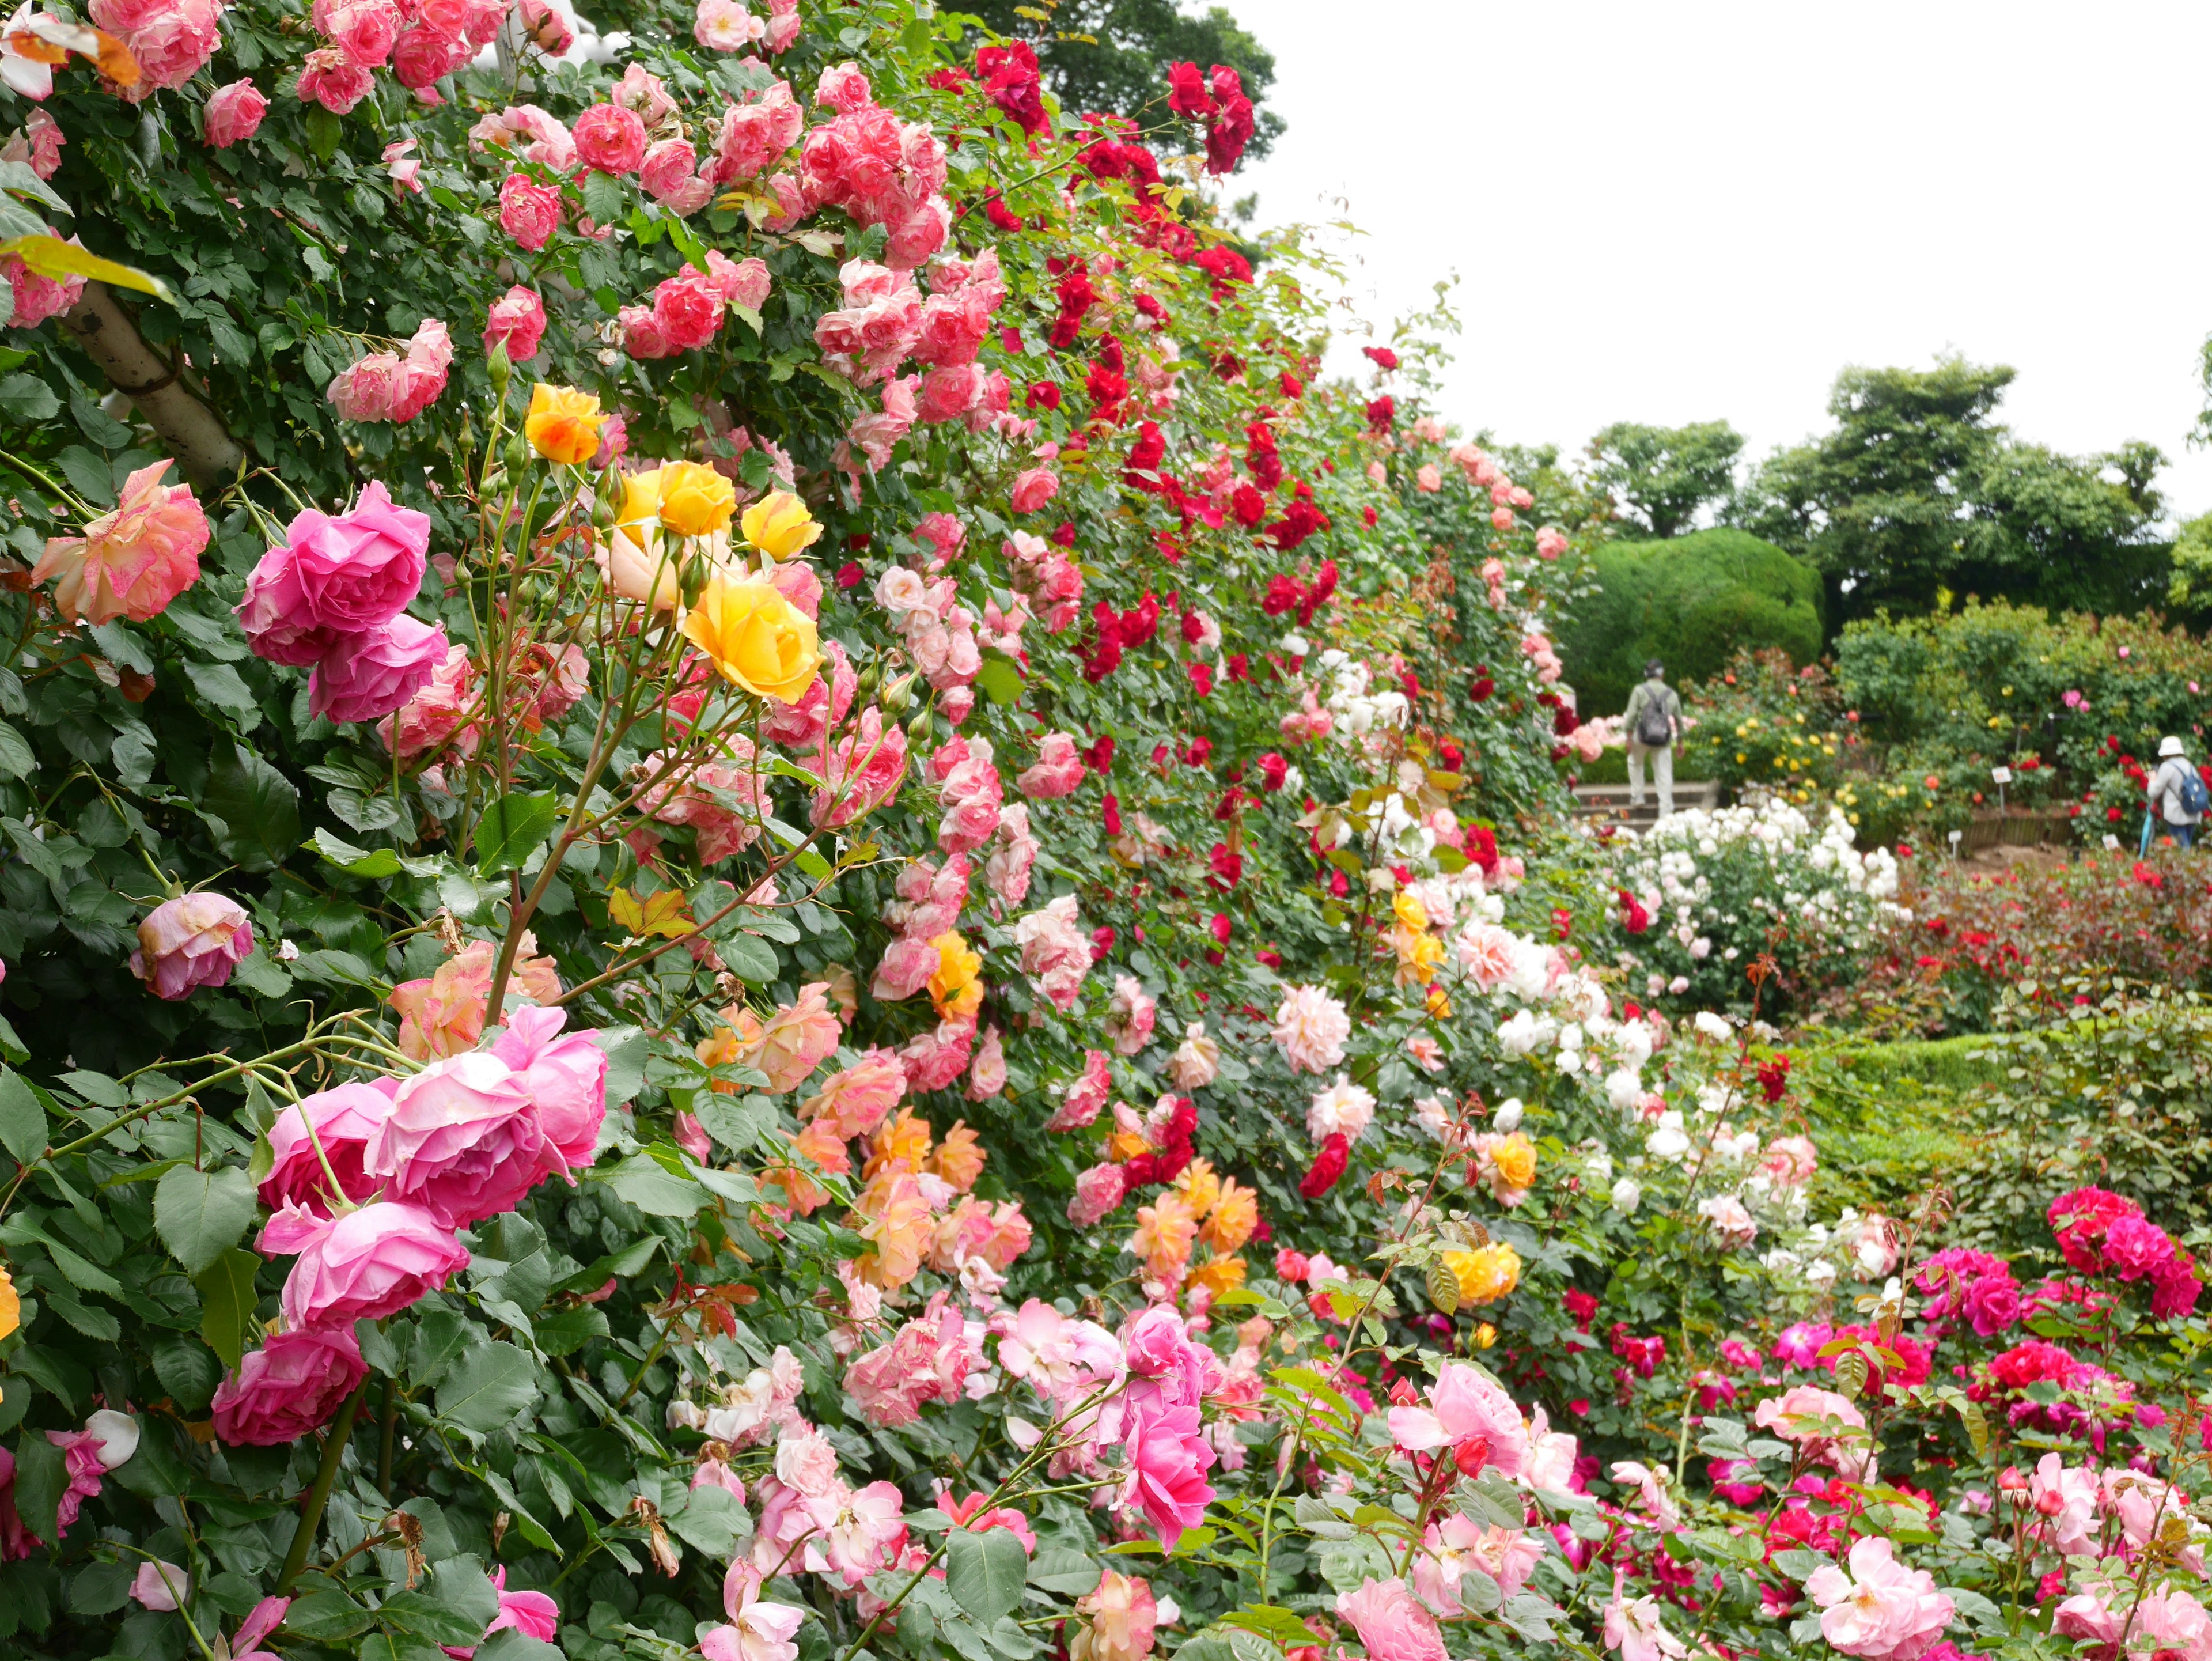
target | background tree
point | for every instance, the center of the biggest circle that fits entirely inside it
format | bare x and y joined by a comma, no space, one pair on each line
1919,490
1661,477
1111,56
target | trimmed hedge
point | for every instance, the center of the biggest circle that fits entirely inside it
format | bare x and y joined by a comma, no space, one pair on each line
1692,602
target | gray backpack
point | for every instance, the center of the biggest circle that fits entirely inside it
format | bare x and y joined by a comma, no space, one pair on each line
1653,731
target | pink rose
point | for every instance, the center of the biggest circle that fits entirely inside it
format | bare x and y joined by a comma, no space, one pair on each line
353,571
170,40
642,335
740,282
609,139
361,1266
793,1042
668,167
565,1076
687,309
726,26
332,79
192,942
133,561
363,390
528,212
1169,1457
421,376
369,675
1057,771
364,31
1391,1623
233,113
345,1119
289,1388
37,298
865,769
463,1140
1033,489
424,56
855,1099
518,322
641,90
439,714
1097,1192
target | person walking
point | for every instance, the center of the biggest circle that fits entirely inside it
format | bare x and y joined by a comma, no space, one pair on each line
2176,794
1654,721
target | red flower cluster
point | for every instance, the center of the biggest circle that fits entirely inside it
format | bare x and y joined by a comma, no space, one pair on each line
1286,593
1011,80
1382,356
1774,1078
1217,98
1383,414
1634,919
1176,1150
1329,1163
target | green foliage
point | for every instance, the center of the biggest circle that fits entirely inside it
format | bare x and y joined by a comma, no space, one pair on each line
1919,492
1664,476
1692,602
1763,723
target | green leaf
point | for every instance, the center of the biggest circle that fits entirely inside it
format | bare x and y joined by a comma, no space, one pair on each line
325,1617
199,1214
485,1389
227,1298
22,1121
512,1644
27,399
515,825
984,1572
220,684
567,1330
1270,1621
41,1476
648,1185
603,198
259,807
999,679
1056,1568
751,958
421,1615
713,1521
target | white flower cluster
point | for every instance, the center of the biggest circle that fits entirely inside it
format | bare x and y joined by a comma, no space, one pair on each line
1357,709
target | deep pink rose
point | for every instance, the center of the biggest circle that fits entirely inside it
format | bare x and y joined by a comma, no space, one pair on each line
367,676
687,308
1033,489
233,113
425,56
464,1141
528,212
192,942
332,79
279,624
169,39
668,169
358,568
517,321
610,139
1169,1457
361,1266
565,1076
290,1387
642,333
344,1119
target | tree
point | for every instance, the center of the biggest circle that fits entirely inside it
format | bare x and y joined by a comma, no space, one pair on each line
1111,56
1663,475
1918,490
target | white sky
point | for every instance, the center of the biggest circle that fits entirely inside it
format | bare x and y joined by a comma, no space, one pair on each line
1700,209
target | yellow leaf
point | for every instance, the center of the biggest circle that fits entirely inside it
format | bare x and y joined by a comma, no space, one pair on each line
664,916
623,907
51,257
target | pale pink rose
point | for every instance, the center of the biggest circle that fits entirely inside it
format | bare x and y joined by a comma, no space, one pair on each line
133,561
1462,1404
362,391
289,1388
2066,1498
1458,1543
361,1266
987,1073
1391,1624
233,114
726,26
807,1461
1637,1630
564,1075
1055,951
160,1586
1429,480
332,79
517,321
926,1361
1649,1490
1341,1110
344,1119
1099,1191
1058,771
192,942
609,139
1006,871
528,212
1310,1028
374,673
1827,1426
1550,542
1196,1061
1130,1015
1033,489
38,146
463,1142
1881,1609
169,39
1789,1161
641,90
762,1631
793,1042
782,25
905,968
739,282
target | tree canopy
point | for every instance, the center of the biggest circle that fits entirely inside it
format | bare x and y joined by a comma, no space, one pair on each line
1919,490
1661,477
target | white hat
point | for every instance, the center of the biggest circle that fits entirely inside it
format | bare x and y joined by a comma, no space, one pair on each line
2168,745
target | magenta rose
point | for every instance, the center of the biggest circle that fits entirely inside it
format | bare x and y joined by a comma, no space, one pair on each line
566,1078
364,30
528,212
291,1387
366,676
351,571
464,1141
192,942
362,1265
344,1119
610,139
1992,1303
279,624
233,114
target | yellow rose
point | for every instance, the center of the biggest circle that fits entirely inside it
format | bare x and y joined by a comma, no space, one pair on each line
1221,1274
11,1306
563,423
957,988
696,500
1515,1159
779,525
1486,1274
756,638
1412,916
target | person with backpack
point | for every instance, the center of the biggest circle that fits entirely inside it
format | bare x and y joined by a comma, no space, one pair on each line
2177,793
1654,722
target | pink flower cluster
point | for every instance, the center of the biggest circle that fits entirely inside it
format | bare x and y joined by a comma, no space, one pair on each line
969,792
928,903
395,386
169,39
1055,951
369,1185
1043,572
940,634
335,594
1156,1421
1881,1609
2103,1232
1961,1284
723,801
881,171
688,308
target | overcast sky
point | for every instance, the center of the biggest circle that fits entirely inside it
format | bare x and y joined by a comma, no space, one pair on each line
1692,210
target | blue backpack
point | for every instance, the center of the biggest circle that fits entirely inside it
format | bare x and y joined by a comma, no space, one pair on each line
2195,798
